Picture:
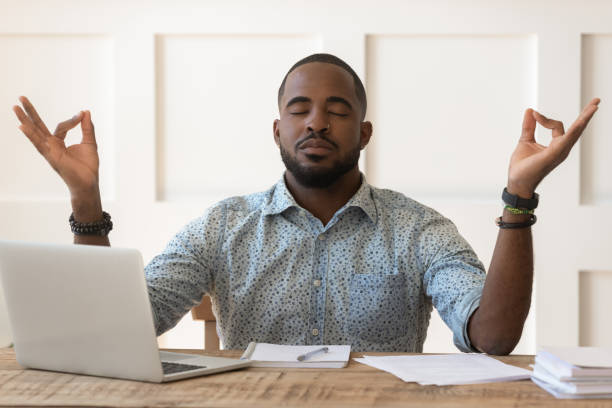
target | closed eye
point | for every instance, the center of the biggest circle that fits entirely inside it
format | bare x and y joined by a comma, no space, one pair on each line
339,114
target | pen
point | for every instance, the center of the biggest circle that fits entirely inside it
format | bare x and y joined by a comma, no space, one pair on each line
312,353
249,351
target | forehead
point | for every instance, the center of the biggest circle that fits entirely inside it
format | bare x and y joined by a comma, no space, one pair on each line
318,79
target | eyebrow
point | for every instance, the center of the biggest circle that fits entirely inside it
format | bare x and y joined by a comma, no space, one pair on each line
297,99
331,99
340,100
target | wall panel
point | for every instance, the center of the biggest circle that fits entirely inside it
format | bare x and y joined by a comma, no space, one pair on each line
596,144
217,96
594,308
432,96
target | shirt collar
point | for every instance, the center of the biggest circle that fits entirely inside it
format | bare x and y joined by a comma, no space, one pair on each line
363,199
282,200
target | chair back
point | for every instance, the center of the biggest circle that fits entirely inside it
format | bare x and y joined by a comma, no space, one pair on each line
204,312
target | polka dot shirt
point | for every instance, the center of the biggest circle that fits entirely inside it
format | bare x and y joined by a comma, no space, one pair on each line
276,274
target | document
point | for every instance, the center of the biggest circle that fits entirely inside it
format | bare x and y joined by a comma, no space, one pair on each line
451,369
581,386
559,393
569,362
574,372
279,355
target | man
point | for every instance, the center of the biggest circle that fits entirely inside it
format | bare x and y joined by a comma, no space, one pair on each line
322,257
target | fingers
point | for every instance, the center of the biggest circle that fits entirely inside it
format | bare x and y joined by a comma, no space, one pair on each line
594,101
529,125
87,127
31,131
29,108
574,132
34,128
555,125
21,115
63,127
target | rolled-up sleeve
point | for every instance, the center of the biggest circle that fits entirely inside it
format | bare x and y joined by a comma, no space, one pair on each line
453,276
184,272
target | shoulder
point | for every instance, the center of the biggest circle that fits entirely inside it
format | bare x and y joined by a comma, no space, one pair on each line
246,204
215,220
416,225
238,208
397,206
412,222
233,208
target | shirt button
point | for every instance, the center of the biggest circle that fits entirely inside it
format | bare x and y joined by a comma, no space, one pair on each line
322,238
317,282
315,332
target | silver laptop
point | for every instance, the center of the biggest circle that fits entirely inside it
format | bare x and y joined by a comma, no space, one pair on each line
85,309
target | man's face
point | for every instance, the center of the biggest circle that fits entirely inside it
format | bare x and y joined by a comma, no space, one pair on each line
320,133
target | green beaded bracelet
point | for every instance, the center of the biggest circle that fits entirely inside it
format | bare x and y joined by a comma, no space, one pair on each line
518,211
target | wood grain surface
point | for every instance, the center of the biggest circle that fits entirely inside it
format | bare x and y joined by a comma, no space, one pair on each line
355,386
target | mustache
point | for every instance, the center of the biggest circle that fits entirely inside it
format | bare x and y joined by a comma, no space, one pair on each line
315,135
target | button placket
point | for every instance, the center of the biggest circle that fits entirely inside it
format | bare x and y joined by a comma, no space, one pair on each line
318,288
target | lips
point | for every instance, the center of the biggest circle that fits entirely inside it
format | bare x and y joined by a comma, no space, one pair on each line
316,147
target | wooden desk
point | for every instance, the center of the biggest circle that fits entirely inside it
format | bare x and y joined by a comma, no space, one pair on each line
355,386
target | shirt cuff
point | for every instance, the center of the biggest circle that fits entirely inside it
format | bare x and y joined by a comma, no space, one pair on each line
465,309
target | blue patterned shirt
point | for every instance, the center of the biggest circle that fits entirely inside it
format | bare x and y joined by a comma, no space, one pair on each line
276,274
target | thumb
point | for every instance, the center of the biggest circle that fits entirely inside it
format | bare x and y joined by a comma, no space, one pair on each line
62,128
529,125
87,128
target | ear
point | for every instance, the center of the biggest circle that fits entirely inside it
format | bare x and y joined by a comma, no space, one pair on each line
276,132
365,134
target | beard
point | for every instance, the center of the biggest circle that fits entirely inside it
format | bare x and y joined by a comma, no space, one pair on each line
320,177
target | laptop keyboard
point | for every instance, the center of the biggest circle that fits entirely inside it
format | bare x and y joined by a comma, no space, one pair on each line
173,368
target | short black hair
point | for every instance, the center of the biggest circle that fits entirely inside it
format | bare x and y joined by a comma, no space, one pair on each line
330,59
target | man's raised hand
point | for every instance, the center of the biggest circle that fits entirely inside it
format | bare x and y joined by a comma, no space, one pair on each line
531,161
77,164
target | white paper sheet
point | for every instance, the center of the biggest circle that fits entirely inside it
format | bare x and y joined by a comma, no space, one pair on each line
592,357
447,369
562,395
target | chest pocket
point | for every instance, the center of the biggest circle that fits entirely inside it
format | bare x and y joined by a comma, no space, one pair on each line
377,309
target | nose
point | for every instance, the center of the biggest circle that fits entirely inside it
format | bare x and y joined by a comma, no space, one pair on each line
319,122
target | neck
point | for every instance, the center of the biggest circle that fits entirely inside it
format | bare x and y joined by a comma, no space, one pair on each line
324,202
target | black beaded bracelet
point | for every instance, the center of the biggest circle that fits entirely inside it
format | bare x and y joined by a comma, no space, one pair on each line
508,225
100,228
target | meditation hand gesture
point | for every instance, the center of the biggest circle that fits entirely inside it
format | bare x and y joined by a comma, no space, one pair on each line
77,165
531,161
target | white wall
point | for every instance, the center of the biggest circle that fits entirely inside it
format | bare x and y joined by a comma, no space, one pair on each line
183,97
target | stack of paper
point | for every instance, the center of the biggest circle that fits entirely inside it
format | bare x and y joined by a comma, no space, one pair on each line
574,372
447,369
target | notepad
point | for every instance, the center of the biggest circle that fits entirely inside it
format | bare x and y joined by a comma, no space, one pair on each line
279,355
